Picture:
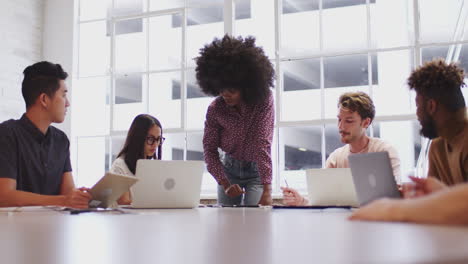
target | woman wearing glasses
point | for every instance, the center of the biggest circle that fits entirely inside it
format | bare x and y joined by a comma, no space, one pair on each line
144,141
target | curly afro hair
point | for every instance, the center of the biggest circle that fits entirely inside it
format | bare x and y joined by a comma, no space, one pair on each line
235,63
440,81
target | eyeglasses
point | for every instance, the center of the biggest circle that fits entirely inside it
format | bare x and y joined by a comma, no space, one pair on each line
151,140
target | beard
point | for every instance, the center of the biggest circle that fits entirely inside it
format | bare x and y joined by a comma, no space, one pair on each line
428,128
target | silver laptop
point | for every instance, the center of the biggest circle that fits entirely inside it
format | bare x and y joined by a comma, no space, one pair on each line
167,184
331,187
373,176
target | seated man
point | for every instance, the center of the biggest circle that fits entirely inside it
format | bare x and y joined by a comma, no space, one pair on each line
356,112
441,111
35,158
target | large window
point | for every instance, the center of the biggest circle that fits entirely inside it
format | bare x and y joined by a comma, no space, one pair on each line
136,56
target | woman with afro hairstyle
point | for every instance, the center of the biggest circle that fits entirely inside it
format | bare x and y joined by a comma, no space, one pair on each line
240,119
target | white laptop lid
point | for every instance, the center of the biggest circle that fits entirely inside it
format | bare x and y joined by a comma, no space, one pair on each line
109,188
167,184
373,176
330,187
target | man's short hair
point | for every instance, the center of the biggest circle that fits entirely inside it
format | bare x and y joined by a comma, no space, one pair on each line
39,78
440,81
358,102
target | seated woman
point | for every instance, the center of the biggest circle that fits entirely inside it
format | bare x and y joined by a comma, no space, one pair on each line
144,141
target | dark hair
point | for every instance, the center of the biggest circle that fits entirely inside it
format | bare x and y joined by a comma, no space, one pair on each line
358,102
235,63
134,146
440,81
39,78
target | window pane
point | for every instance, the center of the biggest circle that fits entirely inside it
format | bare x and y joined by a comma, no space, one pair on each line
92,9
460,54
394,68
345,74
94,49
128,89
195,152
117,144
173,147
204,24
204,2
130,100
345,28
165,4
301,90
465,94
164,94
130,46
92,160
438,20
345,71
297,6
91,105
257,19
404,137
300,148
430,53
295,14
197,103
128,7
165,45
392,23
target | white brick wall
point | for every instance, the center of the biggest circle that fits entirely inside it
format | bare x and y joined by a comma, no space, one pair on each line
21,28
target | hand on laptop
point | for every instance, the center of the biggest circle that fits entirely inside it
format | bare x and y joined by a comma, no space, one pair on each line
78,198
292,198
421,186
234,190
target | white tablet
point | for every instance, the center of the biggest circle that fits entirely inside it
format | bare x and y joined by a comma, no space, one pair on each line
109,188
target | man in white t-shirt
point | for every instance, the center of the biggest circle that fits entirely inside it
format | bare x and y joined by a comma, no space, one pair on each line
356,112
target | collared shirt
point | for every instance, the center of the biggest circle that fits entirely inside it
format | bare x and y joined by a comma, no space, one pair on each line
245,134
448,157
339,157
36,161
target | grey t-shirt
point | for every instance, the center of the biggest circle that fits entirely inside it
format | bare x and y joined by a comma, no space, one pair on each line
36,161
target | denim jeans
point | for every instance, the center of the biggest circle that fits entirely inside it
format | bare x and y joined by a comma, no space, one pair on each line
246,175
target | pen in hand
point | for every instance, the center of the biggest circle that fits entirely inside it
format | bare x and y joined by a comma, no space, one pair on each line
287,185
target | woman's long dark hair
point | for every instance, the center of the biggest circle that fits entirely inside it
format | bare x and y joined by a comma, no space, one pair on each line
134,147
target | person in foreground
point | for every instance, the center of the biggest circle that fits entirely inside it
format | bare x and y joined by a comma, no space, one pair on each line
35,164
240,119
144,141
356,111
441,112
435,204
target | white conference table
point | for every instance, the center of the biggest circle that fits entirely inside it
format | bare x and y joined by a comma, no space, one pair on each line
222,235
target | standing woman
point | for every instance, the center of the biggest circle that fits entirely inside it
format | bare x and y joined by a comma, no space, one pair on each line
144,141
240,119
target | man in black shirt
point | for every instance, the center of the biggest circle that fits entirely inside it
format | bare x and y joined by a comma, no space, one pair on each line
35,164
